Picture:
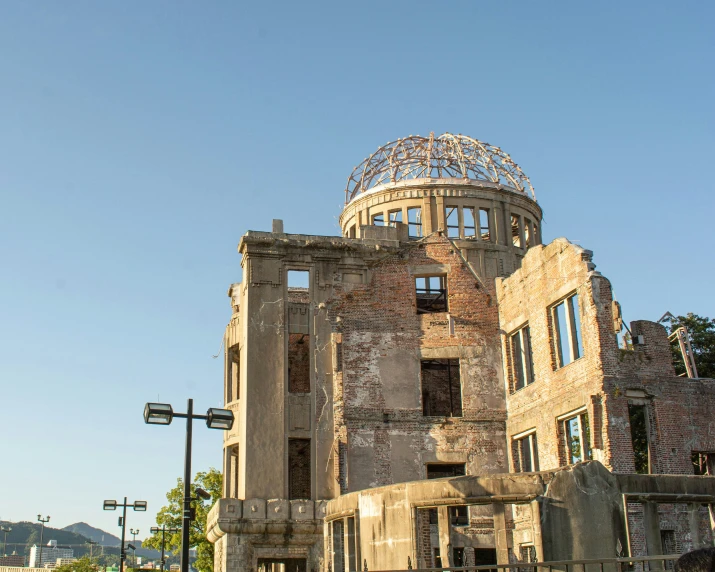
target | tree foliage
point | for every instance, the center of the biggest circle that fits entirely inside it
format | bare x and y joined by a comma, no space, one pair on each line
702,340
170,516
83,564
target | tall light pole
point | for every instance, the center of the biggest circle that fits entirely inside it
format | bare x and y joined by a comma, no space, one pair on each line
42,532
4,544
164,530
140,506
163,414
134,542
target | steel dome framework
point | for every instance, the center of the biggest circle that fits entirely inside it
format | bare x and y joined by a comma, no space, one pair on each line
449,155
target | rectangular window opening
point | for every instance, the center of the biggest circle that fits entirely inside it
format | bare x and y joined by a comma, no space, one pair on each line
527,232
351,545
566,322
299,469
298,279
484,226
395,217
458,556
703,463
414,222
524,453
441,470
452,218
352,231
338,545
577,438
234,472
515,232
234,376
470,223
441,388
459,515
437,558
378,219
639,437
522,360
431,294
298,363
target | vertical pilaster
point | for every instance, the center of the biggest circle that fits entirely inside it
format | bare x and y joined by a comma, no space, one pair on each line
500,533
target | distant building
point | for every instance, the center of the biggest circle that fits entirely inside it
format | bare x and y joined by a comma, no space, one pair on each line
50,554
14,559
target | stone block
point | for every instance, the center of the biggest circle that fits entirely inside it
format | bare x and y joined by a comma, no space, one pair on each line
301,510
231,508
254,509
277,509
320,508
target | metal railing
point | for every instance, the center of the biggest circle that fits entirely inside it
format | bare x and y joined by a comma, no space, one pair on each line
626,564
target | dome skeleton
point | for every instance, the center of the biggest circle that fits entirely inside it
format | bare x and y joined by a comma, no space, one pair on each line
446,156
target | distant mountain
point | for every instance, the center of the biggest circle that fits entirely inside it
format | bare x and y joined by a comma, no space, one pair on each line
94,534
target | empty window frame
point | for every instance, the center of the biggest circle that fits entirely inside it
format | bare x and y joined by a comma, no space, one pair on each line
352,231
431,294
577,437
452,218
527,553
703,463
528,233
338,545
459,515
394,217
458,556
441,470
566,323
484,226
441,388
299,469
638,417
469,223
522,369
378,219
414,222
525,453
516,231
298,279
233,381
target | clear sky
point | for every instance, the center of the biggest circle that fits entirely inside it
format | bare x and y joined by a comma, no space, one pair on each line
140,140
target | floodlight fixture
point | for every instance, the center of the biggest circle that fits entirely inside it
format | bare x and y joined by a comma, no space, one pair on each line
158,413
219,418
140,506
202,494
110,505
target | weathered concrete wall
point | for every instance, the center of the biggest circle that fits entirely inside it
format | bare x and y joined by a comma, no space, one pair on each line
576,512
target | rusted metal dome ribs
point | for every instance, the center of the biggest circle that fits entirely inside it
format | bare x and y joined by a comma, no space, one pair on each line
446,156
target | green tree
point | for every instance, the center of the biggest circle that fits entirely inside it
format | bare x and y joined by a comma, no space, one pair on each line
170,515
702,340
83,564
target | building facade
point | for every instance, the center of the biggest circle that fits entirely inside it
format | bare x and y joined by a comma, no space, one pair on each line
438,338
50,554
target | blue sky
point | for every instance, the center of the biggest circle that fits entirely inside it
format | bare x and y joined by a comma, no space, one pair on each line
140,140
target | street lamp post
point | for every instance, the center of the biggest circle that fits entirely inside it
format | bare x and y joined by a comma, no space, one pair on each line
163,414
112,505
4,544
42,532
164,530
134,542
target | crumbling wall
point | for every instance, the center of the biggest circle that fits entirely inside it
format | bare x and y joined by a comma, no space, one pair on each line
548,275
383,339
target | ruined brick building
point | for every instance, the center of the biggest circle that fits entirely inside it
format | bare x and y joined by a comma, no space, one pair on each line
438,387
